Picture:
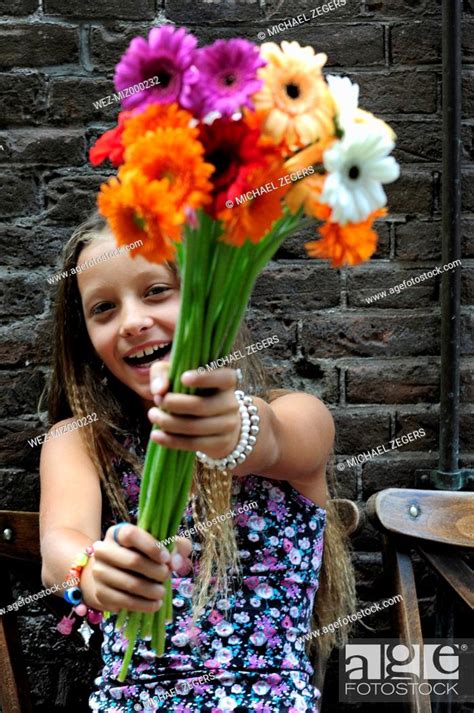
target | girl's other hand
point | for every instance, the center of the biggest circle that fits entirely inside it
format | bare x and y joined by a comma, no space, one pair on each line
196,423
130,575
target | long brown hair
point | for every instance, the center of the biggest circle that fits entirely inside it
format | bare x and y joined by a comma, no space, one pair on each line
77,389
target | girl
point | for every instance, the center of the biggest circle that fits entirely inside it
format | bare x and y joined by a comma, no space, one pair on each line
244,589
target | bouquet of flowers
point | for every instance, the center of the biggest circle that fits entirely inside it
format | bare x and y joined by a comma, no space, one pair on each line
218,162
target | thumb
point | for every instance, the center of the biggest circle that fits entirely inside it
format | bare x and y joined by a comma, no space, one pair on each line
159,381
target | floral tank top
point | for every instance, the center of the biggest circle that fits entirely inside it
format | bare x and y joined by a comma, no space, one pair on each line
245,653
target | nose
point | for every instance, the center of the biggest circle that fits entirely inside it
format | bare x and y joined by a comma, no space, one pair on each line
134,319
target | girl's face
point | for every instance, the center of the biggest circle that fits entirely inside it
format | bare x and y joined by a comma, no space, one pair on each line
130,307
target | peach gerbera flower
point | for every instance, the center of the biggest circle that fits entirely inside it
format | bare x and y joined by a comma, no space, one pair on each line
297,101
154,117
139,209
348,244
254,217
175,157
307,191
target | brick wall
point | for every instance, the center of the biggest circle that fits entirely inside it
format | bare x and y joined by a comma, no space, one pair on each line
376,365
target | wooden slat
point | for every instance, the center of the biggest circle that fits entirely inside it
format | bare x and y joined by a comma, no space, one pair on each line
24,544
398,562
455,571
444,516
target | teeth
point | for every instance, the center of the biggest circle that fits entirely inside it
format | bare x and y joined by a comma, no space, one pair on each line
148,350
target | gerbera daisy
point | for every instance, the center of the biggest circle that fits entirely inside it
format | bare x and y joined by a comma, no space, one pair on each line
154,117
109,145
139,209
253,218
357,166
175,157
307,191
227,77
295,97
345,95
232,147
168,54
348,244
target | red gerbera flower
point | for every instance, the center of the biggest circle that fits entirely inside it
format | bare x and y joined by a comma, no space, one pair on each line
109,145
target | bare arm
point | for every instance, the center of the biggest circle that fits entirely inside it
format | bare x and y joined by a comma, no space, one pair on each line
126,575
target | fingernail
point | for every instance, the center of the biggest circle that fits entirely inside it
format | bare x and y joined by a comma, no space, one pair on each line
158,399
176,561
187,376
154,412
157,384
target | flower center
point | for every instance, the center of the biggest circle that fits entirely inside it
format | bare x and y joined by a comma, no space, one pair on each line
293,91
229,79
164,78
139,221
354,172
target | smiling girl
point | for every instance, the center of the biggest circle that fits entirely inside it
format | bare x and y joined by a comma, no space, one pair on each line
244,589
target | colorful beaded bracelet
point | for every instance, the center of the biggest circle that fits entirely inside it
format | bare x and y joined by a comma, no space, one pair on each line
73,596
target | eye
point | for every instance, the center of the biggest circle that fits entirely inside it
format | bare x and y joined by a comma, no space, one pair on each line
101,308
157,290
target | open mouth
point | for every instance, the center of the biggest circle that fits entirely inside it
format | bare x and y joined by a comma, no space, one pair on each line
148,355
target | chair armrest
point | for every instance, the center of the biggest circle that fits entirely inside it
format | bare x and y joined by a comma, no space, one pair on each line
434,515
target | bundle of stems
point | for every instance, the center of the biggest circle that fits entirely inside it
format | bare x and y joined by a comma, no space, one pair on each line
217,280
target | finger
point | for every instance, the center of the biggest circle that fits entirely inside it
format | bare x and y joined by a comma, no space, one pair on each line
159,379
192,425
191,405
184,546
127,582
113,600
216,379
214,446
128,559
134,537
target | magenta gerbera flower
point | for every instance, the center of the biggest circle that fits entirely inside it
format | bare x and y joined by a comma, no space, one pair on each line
227,77
168,55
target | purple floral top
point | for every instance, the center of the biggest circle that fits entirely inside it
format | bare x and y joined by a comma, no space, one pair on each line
244,654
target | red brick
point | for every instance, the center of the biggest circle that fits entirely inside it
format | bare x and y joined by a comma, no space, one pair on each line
126,9
397,471
393,382
285,291
23,99
46,44
416,42
418,240
18,195
368,282
387,335
358,429
397,92
43,146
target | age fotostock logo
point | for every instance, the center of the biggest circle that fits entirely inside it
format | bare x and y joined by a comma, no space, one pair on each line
388,671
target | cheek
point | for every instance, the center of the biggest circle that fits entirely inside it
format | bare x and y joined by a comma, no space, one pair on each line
102,339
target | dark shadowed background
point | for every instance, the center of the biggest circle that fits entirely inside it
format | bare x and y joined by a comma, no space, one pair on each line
375,365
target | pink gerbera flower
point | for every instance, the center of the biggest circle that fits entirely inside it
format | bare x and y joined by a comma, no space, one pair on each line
167,54
227,77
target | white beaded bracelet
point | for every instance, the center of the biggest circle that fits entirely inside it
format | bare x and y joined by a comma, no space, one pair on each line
247,439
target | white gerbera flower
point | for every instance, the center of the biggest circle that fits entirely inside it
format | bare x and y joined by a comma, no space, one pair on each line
346,98
357,166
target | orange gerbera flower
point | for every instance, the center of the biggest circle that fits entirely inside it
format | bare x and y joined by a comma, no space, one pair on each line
175,157
252,216
295,97
307,191
154,117
139,209
348,244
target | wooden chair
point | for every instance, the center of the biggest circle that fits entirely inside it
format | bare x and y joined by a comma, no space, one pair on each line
440,526
19,546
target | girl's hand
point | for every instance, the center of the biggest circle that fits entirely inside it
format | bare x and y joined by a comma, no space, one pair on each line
130,575
196,423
